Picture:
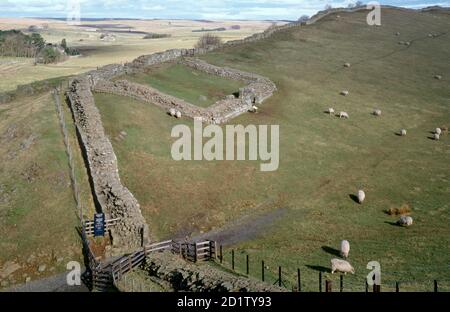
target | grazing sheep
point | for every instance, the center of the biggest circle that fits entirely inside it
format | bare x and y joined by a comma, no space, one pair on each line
341,266
438,131
437,137
438,77
403,132
330,111
397,33
343,115
178,114
361,196
407,43
344,93
347,65
405,221
345,248
377,112
172,112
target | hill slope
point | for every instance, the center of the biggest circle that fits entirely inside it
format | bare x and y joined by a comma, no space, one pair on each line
323,160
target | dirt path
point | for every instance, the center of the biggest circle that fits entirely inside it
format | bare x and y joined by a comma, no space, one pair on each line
56,283
243,229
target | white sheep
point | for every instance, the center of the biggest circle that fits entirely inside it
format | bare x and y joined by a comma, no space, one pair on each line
361,196
403,132
345,248
341,266
344,92
254,109
438,131
347,65
330,111
377,112
172,112
343,115
437,137
405,221
178,114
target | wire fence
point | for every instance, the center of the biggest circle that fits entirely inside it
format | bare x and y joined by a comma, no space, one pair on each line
73,177
320,279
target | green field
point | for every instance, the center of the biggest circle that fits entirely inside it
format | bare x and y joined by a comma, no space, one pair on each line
323,159
191,85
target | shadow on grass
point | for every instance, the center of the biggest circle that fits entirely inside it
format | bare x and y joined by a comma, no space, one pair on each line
354,198
331,251
392,223
319,268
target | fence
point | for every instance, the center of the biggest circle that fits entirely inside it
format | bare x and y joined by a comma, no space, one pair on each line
89,225
103,275
317,279
73,180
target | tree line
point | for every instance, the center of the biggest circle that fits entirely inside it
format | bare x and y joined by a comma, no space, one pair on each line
14,43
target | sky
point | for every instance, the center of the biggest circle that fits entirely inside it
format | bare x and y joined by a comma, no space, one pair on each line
187,9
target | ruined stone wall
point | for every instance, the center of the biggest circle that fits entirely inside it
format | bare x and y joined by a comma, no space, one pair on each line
184,276
150,95
258,89
115,200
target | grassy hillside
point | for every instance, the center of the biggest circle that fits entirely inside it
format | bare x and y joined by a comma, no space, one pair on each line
323,160
38,215
191,85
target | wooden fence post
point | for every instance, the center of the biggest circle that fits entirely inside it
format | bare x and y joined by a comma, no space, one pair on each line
195,252
328,286
279,276
376,288
262,270
248,264
367,287
220,254
299,281
232,259
320,281
130,264
435,286
397,287
341,283
215,250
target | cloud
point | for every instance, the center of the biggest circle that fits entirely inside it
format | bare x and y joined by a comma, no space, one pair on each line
206,9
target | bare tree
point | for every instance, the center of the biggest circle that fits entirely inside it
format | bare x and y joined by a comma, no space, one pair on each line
208,40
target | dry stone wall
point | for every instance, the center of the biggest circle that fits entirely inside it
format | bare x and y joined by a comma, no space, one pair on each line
258,89
184,276
112,198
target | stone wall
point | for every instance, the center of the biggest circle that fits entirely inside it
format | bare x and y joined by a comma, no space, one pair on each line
258,89
111,197
184,276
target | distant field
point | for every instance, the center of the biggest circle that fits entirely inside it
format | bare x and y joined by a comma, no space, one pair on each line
96,52
323,159
188,84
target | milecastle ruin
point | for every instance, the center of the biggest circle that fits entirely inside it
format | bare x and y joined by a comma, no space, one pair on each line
111,196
